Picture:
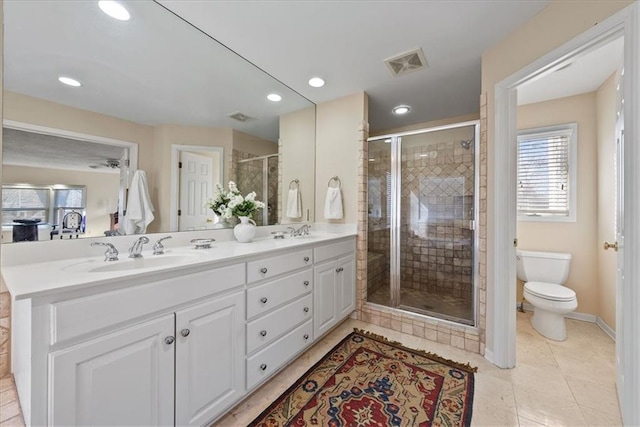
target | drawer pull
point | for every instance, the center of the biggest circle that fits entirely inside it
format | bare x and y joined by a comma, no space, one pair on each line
264,270
306,336
306,259
306,309
263,333
169,340
306,283
263,367
185,332
339,269
263,300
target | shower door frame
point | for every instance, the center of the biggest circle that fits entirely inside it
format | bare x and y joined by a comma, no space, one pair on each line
396,186
265,182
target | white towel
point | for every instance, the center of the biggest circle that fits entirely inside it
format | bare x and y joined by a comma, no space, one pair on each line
139,207
294,204
333,203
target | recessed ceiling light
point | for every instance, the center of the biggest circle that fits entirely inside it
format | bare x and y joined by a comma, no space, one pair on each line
401,109
274,97
114,10
316,82
69,81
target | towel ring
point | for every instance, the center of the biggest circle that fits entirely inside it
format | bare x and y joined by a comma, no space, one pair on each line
296,183
335,178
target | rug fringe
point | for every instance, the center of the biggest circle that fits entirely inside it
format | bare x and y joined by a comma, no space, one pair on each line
462,366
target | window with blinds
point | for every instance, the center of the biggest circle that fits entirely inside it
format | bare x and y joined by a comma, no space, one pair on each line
547,173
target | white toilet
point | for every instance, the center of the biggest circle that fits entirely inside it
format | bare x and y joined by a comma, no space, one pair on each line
544,273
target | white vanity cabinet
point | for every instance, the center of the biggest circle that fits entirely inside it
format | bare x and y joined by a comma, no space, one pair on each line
334,292
91,382
174,346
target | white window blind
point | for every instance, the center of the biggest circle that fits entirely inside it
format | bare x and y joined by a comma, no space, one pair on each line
546,172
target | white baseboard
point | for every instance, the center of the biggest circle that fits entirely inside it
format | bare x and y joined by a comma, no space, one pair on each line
606,328
592,318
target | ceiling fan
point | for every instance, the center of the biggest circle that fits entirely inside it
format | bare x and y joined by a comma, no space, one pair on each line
108,163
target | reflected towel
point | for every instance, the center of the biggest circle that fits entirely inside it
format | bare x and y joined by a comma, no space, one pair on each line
139,207
333,203
294,204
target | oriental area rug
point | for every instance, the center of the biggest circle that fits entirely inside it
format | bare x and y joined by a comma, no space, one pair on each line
367,380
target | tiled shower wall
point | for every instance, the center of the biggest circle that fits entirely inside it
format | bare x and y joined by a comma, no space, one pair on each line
437,206
248,176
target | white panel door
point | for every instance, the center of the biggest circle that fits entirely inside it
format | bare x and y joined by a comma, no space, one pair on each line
210,365
346,285
324,298
196,187
124,378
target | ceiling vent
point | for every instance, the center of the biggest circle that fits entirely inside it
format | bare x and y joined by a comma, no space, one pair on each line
407,62
241,117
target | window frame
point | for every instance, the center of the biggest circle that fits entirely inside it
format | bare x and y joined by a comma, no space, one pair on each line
572,192
51,209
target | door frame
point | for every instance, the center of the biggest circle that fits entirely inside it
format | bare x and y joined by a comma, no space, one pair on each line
501,315
176,149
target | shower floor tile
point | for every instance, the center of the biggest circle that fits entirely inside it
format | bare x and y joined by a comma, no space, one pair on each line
449,307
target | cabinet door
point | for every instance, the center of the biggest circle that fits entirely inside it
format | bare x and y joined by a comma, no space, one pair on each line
124,378
210,365
324,298
346,285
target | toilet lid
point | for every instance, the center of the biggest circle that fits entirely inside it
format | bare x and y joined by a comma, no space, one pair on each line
550,291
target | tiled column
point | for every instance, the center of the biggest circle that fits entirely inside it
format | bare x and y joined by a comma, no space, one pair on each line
5,312
361,245
482,229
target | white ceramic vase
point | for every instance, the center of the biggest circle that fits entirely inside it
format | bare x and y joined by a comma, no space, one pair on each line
245,231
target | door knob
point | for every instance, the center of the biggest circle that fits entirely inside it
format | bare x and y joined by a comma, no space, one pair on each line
613,246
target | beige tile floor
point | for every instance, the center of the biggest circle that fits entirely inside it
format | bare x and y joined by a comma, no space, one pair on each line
568,383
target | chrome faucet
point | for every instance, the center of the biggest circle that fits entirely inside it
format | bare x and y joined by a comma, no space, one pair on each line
111,254
158,248
302,231
135,251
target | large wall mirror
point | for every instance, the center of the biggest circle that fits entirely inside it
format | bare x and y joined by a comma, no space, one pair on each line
152,93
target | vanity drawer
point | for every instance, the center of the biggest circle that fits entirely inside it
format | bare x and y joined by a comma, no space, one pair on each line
264,330
269,360
263,298
333,250
76,317
273,266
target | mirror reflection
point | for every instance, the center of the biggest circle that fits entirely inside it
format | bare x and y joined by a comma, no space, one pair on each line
90,100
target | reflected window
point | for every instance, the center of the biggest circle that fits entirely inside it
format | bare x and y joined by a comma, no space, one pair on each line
48,203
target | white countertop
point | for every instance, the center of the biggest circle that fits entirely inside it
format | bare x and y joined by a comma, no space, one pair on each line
45,278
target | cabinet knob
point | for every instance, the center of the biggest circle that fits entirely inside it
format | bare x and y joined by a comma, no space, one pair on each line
263,367
306,336
306,309
263,300
263,333
185,332
306,259
264,270
169,340
306,283
339,269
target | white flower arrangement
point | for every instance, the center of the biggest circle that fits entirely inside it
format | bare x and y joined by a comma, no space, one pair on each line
227,204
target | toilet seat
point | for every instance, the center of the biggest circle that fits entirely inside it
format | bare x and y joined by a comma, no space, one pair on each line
550,291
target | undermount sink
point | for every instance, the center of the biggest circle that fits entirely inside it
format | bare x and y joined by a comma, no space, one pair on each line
130,264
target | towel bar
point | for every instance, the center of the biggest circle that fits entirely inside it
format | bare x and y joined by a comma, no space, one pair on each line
296,182
334,178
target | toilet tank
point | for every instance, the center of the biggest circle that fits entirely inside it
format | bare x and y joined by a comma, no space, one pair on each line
549,267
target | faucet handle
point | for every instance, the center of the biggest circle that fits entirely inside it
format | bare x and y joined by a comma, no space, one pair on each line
158,248
111,254
136,249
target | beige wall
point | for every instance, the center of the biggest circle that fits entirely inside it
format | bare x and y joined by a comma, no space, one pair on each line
102,190
297,159
252,144
160,179
431,124
337,135
577,238
606,229
555,25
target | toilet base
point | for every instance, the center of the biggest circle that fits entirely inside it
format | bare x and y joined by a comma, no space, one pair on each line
549,324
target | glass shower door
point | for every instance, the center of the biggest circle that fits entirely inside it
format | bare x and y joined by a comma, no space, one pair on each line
436,237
